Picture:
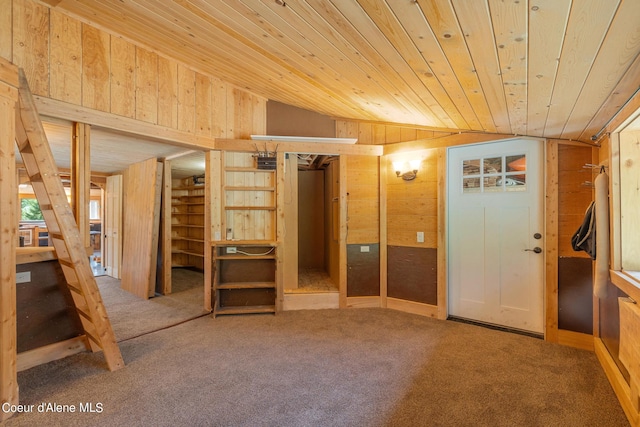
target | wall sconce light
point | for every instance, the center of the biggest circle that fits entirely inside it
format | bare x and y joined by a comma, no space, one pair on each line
407,174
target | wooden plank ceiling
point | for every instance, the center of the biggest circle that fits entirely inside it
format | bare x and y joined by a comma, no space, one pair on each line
552,68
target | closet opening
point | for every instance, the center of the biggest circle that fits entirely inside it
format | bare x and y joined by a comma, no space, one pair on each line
318,186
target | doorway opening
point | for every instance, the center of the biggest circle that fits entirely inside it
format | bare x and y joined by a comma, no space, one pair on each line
318,187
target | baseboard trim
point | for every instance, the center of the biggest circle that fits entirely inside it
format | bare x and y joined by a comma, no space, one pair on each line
412,307
575,339
49,353
363,302
617,381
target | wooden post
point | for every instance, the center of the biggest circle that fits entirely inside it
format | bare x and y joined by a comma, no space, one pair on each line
81,178
384,162
164,275
280,229
212,218
443,309
342,276
551,239
8,239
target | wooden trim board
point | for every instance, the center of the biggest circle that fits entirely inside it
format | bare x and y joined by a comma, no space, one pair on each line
51,352
364,302
9,238
617,381
575,339
412,307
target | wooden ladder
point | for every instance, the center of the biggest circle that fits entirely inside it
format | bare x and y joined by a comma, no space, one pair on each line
63,230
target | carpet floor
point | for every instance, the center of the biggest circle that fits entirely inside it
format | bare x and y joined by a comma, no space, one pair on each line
132,316
354,367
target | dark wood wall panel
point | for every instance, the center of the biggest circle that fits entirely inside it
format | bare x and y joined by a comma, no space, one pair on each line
363,270
247,270
246,297
610,324
412,274
286,120
575,294
44,306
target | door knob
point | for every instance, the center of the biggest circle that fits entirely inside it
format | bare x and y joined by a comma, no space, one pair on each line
536,250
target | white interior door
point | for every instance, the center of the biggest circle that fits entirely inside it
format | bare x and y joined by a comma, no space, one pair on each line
495,224
112,249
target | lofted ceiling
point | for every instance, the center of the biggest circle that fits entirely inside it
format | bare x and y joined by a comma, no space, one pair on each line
551,68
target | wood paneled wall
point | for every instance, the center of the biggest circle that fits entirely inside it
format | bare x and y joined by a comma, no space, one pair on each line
574,196
71,61
381,134
411,206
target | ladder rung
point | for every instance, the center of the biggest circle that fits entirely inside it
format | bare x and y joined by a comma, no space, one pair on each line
46,208
83,313
92,338
25,146
74,288
36,177
67,262
56,236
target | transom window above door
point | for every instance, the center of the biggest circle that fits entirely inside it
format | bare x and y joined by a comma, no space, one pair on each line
494,174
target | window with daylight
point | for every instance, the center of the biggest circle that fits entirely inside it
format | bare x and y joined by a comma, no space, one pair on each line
494,174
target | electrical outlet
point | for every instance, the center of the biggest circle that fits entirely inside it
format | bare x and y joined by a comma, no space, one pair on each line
420,236
231,249
364,248
23,277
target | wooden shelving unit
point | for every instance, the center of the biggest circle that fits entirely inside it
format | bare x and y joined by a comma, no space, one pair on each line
187,224
249,199
244,277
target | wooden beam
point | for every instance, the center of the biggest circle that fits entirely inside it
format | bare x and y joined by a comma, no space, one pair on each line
81,178
9,73
302,147
445,141
8,242
62,110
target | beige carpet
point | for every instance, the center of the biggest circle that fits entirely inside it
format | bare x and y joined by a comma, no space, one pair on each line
356,367
132,316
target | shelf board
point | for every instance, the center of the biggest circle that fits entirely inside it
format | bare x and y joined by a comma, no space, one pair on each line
187,225
246,285
188,213
234,169
180,251
232,188
244,243
243,257
249,309
189,187
188,239
250,208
